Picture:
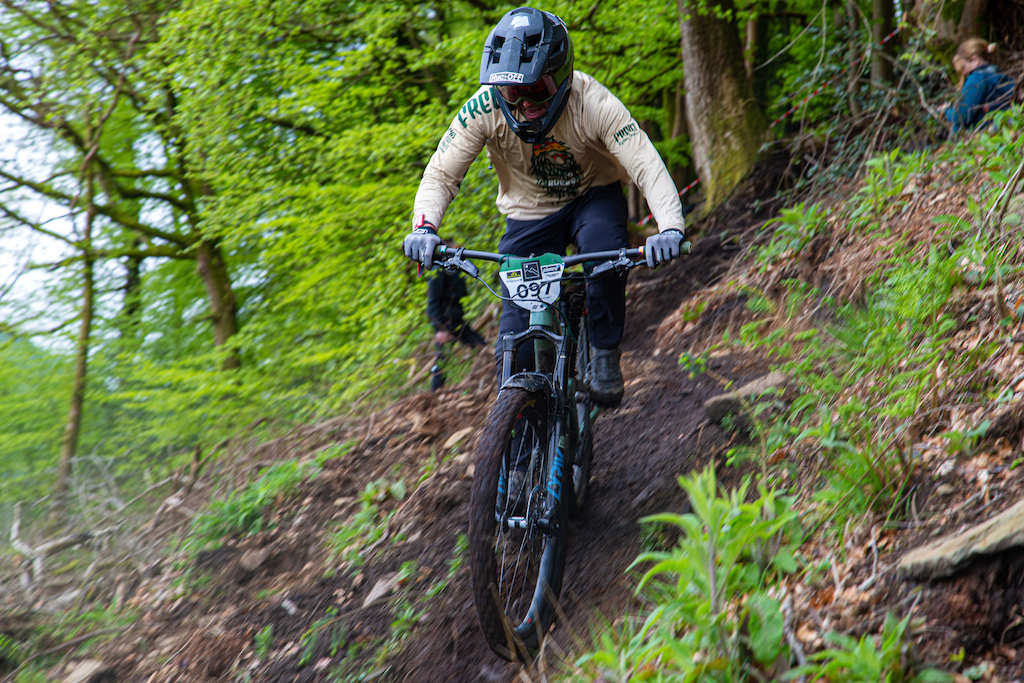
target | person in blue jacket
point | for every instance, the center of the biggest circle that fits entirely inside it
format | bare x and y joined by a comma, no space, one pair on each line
985,88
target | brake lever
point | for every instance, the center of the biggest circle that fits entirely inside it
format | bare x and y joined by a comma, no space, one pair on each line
623,262
456,262
467,267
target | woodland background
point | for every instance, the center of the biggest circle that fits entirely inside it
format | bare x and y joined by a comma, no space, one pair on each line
201,211
200,202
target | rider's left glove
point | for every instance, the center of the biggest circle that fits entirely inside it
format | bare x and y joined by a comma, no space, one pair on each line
419,244
663,247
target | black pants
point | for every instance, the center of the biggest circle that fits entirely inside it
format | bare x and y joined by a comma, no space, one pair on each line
464,334
595,221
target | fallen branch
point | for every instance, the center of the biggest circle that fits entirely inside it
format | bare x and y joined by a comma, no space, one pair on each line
173,502
36,555
1007,193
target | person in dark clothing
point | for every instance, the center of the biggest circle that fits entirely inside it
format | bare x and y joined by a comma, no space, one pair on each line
444,308
984,89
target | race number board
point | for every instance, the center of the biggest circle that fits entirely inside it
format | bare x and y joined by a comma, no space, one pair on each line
533,283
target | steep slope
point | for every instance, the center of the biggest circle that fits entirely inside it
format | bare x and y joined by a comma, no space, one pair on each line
203,617
358,575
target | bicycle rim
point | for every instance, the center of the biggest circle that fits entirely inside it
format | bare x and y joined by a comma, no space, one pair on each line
517,572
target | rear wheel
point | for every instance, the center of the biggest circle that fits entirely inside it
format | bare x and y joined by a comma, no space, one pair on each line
517,571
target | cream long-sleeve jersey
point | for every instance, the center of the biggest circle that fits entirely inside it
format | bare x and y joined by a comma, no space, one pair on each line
595,142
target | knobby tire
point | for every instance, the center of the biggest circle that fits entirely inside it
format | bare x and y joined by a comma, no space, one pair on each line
516,573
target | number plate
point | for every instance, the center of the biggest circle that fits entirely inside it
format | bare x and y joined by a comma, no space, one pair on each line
533,283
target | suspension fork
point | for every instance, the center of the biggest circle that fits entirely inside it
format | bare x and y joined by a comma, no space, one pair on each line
543,350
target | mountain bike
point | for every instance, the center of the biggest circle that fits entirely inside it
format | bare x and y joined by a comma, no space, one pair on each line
533,461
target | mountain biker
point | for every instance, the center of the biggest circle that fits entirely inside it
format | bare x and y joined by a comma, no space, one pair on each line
561,145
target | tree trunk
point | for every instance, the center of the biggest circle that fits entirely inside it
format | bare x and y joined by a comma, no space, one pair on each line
726,125
682,173
132,304
968,26
882,20
69,443
223,309
750,49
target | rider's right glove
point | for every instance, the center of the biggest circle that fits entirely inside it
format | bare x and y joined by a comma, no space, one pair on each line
419,244
663,247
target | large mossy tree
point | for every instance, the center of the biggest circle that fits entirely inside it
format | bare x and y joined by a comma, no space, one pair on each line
727,125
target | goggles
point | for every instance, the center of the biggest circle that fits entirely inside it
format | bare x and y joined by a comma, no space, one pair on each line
538,93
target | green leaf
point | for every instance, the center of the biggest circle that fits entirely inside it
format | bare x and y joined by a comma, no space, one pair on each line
766,627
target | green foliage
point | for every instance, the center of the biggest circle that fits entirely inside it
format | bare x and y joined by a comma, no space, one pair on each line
881,658
33,400
245,511
715,615
33,659
887,176
10,653
962,443
264,641
408,610
335,629
694,365
794,228
367,526
891,349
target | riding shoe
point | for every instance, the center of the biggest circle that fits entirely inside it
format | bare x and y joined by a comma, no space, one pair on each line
606,382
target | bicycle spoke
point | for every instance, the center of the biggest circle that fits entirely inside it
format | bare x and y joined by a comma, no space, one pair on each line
518,547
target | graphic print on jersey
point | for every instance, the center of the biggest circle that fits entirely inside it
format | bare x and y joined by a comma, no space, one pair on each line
556,169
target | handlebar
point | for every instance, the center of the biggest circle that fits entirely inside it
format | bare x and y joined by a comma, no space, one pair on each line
621,260
455,259
446,251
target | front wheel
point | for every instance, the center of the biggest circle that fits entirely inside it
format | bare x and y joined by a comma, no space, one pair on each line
517,538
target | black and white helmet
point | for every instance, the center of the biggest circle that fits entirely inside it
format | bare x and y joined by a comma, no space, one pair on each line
528,55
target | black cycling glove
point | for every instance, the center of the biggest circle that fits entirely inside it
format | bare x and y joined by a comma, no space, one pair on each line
663,247
419,244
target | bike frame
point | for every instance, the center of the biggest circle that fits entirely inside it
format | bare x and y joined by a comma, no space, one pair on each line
549,336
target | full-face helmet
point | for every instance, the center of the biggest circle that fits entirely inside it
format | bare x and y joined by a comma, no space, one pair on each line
528,59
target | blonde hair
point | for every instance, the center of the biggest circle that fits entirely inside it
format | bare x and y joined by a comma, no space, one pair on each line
975,47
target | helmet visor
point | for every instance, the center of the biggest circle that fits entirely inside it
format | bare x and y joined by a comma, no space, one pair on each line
539,92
